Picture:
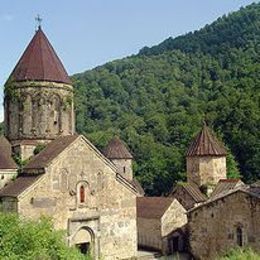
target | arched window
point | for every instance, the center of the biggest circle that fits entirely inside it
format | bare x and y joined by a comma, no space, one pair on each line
239,236
82,194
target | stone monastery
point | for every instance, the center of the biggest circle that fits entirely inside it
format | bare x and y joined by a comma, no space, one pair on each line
94,196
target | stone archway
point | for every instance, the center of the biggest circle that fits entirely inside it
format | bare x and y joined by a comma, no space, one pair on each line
84,239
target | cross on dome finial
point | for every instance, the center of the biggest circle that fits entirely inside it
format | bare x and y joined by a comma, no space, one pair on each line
38,20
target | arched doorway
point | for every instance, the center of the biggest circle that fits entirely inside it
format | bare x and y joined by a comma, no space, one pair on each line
239,234
84,239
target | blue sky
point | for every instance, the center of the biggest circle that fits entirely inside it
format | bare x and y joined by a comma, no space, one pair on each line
87,33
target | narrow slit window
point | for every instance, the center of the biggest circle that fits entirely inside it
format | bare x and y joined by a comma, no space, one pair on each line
82,194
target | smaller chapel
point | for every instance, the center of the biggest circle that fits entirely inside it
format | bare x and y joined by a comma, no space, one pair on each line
209,209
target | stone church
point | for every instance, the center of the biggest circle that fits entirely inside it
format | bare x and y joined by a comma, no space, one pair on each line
94,196
206,215
90,195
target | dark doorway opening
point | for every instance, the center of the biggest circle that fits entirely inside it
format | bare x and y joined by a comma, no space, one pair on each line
84,248
239,236
173,244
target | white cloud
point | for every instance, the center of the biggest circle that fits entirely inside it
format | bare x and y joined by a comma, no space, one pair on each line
7,17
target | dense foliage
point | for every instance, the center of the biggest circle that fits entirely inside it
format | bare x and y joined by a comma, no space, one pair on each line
23,239
240,254
156,101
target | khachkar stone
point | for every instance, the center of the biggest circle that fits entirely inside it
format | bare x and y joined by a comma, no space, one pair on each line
38,98
206,160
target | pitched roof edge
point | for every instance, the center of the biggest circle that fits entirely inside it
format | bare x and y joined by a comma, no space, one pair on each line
100,155
51,161
223,196
20,195
23,193
126,183
174,199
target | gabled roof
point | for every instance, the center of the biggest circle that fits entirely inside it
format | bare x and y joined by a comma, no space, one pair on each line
205,143
192,190
39,62
44,159
152,207
6,160
50,152
19,185
251,191
116,149
226,185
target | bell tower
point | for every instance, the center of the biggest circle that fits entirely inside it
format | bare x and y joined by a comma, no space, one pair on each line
117,152
38,98
206,160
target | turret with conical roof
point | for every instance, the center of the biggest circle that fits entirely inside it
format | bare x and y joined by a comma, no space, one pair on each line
38,97
117,152
206,159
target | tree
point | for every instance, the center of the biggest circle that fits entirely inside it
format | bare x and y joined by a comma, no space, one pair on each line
25,239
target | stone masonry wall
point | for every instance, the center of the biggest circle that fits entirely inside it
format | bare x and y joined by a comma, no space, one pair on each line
183,197
206,170
38,110
124,167
174,218
149,233
109,209
6,176
213,228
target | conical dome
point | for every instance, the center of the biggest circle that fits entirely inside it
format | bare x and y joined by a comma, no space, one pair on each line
205,143
117,150
39,62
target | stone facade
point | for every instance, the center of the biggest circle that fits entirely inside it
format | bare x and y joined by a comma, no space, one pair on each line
149,233
229,221
206,170
38,111
107,214
6,175
173,219
184,198
124,167
154,232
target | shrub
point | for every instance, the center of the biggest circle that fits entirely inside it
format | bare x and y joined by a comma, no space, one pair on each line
22,239
240,254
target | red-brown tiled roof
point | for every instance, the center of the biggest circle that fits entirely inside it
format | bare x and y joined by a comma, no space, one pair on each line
6,160
116,149
205,143
152,207
16,187
52,150
39,62
193,191
254,192
226,185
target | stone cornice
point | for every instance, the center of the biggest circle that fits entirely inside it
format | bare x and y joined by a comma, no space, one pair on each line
42,84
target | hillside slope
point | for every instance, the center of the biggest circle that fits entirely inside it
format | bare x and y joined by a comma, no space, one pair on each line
234,31
157,100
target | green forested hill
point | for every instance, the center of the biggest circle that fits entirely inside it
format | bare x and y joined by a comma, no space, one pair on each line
156,101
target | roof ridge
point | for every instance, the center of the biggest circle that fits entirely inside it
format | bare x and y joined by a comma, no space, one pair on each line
206,143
